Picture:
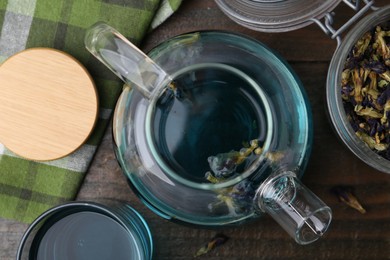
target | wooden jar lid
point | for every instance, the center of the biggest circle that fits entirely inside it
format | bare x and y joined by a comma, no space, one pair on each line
48,104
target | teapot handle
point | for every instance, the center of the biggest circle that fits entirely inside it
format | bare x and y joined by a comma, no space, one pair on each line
123,58
301,213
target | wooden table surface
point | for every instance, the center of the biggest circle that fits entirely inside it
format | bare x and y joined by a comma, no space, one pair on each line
352,235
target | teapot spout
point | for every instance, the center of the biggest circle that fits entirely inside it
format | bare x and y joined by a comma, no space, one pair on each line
301,213
124,59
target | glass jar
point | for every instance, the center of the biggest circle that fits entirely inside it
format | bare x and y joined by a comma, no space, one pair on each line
336,109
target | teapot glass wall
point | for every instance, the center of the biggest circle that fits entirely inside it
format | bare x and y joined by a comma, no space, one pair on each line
213,129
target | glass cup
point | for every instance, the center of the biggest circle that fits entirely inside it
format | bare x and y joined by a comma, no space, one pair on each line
87,230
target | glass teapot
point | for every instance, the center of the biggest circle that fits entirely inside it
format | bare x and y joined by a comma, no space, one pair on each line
213,129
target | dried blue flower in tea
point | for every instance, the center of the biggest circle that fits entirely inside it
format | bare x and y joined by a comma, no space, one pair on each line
365,89
239,198
216,241
345,194
224,165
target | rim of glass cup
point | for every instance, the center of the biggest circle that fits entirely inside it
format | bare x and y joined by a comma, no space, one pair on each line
88,206
211,186
333,92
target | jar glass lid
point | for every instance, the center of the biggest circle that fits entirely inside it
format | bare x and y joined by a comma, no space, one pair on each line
276,15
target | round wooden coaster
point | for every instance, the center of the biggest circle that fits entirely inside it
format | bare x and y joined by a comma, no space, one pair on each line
48,104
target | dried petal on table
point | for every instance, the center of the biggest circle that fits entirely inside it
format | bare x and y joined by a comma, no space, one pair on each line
216,241
345,194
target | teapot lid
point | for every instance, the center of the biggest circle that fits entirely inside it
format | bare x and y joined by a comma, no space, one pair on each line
276,15
48,104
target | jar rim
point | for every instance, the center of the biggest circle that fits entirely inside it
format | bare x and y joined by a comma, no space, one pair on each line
276,16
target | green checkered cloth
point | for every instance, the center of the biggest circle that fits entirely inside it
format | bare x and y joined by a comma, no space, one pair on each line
28,188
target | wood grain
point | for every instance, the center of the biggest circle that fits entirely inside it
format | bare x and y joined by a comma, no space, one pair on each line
351,234
48,104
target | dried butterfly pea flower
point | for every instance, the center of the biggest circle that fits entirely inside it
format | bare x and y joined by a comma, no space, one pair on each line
224,165
365,88
381,44
362,45
385,75
345,194
368,111
357,79
383,83
237,199
372,143
216,241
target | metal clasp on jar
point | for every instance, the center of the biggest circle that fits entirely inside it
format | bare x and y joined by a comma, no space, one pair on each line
327,24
